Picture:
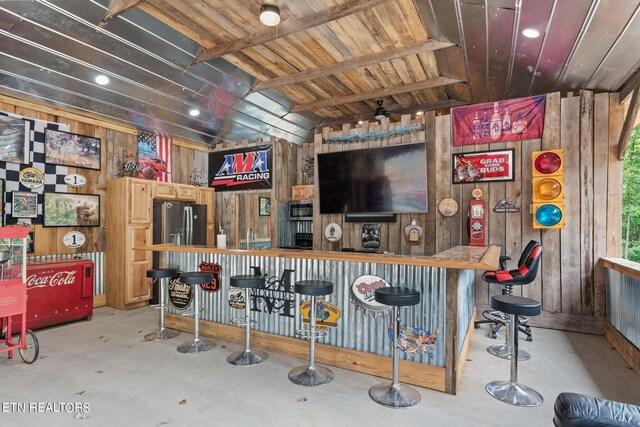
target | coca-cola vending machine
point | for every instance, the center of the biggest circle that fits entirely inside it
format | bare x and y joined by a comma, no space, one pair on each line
58,292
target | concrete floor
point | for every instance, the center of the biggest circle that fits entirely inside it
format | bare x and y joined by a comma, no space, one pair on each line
128,382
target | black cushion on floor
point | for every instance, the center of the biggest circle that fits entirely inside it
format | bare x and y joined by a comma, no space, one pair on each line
512,304
196,278
247,281
161,273
578,410
314,287
397,295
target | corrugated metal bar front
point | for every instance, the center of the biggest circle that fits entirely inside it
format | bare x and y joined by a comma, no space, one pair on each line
466,299
276,308
623,302
98,266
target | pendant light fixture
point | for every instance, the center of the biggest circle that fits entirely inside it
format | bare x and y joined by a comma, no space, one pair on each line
380,111
269,14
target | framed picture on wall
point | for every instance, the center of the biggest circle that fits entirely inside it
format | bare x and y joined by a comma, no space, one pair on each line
70,149
265,206
71,210
483,166
24,204
14,140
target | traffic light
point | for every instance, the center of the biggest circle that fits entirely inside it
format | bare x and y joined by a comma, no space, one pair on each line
547,171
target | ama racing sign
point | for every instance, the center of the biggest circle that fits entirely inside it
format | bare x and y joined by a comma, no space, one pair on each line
247,168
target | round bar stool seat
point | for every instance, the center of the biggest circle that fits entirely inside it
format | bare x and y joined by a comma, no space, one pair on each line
158,275
396,395
194,279
511,391
312,375
247,357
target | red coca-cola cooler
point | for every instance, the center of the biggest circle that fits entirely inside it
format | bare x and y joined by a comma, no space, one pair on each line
59,291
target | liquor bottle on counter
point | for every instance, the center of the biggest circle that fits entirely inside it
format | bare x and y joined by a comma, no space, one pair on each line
484,126
476,126
496,123
506,120
520,125
413,233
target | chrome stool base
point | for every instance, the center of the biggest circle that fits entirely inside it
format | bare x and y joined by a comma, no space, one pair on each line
311,377
399,396
505,351
196,346
246,358
162,334
514,393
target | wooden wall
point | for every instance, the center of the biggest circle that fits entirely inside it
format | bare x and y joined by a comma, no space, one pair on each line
237,210
117,142
569,285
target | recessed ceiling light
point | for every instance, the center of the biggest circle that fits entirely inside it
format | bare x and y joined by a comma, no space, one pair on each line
194,112
101,79
532,33
419,113
359,122
270,15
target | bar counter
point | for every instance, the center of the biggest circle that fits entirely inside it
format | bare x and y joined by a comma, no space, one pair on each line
359,342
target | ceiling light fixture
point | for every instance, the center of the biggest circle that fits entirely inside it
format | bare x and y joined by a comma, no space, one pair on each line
194,112
380,112
532,33
419,113
101,79
269,15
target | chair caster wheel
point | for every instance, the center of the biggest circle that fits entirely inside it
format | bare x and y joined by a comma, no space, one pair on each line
476,326
529,339
494,336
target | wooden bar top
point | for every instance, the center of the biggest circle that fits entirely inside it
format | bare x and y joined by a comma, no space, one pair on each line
624,266
458,257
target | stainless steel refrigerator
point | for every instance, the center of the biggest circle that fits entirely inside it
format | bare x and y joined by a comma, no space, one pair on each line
180,223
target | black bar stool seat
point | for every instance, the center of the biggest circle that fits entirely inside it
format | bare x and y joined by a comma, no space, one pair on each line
313,287
159,275
195,278
247,281
511,391
396,395
312,375
247,357
397,296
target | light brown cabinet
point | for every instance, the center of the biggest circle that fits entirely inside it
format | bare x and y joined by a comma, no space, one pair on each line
130,224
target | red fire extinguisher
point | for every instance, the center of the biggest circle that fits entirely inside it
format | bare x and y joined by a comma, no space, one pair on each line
477,227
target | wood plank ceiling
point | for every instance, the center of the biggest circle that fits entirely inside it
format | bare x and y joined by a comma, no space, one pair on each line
327,62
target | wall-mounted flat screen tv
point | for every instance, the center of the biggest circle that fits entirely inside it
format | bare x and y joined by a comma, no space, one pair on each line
375,180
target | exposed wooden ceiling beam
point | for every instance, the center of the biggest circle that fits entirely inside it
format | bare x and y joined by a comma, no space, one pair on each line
631,84
349,64
632,112
290,26
373,94
118,7
450,103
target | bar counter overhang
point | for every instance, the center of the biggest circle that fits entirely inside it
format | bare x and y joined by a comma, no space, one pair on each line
359,342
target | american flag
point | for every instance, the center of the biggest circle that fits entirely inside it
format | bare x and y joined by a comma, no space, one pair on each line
155,146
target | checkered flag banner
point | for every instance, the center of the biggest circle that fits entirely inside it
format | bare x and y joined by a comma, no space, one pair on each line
17,153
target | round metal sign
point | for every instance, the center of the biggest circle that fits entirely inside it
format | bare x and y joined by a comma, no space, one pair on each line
448,207
363,291
333,232
31,178
180,294
73,239
75,180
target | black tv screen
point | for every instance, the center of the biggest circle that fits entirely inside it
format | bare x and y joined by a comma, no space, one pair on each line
375,180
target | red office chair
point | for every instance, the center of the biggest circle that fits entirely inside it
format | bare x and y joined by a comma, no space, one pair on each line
524,274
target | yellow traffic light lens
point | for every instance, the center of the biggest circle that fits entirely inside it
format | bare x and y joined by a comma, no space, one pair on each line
548,188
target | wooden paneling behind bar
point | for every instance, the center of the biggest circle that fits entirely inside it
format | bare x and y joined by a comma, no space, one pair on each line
587,127
116,142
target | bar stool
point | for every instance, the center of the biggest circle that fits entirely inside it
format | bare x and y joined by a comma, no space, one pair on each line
511,391
247,356
312,375
194,279
396,395
160,276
